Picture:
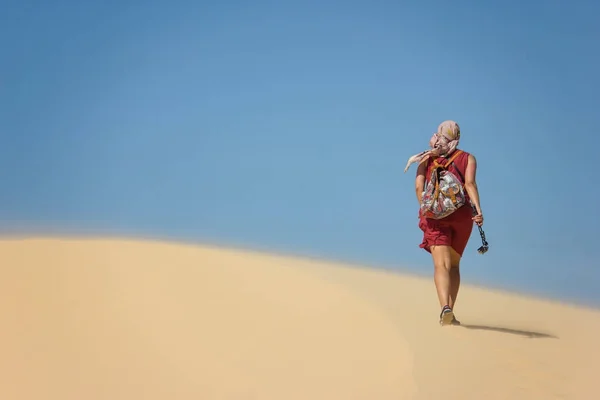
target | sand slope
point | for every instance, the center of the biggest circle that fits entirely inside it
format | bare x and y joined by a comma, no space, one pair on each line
121,319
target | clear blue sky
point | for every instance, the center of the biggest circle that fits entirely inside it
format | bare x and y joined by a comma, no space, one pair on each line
286,126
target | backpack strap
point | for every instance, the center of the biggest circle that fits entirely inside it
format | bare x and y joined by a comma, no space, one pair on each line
435,165
460,175
450,161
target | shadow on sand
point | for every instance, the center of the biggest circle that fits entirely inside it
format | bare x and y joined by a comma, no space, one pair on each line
527,334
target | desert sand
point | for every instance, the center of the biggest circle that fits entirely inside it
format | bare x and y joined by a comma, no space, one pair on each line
116,319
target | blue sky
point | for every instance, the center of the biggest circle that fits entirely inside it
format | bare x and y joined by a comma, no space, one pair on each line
287,125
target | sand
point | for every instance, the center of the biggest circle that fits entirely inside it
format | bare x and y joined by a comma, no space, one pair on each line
122,319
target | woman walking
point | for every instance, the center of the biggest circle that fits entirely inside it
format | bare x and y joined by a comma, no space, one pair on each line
447,193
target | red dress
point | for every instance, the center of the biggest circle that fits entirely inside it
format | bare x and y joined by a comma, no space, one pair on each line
455,229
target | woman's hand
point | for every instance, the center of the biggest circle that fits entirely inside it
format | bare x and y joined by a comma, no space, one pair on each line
478,219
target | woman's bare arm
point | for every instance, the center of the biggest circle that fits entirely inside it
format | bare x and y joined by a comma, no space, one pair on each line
420,180
471,183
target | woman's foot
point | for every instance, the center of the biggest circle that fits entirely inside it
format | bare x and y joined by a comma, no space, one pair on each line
447,316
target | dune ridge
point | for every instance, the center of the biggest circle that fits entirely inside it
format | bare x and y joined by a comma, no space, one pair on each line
112,318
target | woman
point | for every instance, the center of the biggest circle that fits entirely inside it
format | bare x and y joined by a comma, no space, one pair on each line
446,238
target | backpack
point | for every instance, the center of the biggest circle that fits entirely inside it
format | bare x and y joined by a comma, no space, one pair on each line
444,193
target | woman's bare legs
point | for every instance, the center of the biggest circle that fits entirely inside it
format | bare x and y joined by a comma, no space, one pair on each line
442,263
446,277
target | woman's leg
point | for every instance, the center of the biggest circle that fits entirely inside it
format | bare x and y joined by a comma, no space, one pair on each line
437,239
454,276
442,263
461,232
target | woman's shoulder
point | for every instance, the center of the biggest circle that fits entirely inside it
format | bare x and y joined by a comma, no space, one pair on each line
470,157
466,155
462,160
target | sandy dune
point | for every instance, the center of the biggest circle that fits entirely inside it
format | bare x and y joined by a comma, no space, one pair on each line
120,319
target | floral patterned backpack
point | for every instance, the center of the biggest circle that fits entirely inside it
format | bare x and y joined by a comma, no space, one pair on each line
444,192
